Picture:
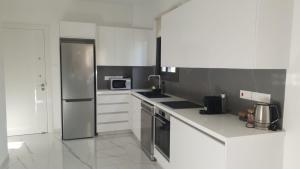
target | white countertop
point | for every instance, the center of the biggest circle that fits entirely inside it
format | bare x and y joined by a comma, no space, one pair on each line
223,127
108,91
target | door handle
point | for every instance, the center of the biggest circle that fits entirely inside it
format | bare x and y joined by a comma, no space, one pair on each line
159,119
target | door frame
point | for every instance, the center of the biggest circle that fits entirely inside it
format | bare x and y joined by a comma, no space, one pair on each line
47,62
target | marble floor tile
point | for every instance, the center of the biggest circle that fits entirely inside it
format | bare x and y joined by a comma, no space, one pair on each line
48,151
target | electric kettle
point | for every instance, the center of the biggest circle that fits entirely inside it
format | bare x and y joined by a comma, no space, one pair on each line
265,115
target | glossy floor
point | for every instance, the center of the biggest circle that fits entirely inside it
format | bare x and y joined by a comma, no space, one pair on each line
47,151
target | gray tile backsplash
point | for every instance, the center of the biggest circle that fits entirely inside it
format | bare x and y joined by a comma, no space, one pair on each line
194,83
103,71
140,77
137,74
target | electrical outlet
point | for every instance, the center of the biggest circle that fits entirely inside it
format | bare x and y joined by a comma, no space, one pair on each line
261,97
255,96
246,95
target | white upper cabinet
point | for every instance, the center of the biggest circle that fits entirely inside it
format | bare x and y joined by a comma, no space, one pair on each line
140,47
125,47
273,34
106,46
77,30
227,34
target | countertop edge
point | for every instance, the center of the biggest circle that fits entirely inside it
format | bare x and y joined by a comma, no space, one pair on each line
219,137
197,126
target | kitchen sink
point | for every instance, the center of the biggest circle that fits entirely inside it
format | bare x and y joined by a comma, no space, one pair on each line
153,95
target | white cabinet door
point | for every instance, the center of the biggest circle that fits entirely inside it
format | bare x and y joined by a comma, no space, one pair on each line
152,48
143,47
140,47
124,47
210,34
190,148
136,117
228,34
77,30
106,46
273,34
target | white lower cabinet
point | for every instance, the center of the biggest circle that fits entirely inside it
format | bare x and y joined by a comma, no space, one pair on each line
192,149
113,112
136,116
113,127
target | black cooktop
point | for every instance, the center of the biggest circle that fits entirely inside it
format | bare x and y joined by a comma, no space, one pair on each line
181,104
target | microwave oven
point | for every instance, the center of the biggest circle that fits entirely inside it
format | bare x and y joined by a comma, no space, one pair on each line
120,84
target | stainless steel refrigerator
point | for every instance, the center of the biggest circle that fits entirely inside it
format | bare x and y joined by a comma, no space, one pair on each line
78,88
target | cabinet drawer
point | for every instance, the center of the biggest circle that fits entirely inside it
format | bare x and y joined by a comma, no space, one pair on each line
108,99
118,117
112,108
112,127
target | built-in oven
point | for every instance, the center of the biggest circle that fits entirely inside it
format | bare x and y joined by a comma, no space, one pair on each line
162,132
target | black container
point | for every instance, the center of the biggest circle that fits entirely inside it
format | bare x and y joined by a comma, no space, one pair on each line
213,105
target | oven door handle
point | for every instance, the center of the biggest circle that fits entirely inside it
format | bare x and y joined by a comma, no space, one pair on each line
157,117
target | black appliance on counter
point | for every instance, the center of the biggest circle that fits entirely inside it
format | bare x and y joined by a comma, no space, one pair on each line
212,105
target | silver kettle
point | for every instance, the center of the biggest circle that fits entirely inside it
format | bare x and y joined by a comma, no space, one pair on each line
265,115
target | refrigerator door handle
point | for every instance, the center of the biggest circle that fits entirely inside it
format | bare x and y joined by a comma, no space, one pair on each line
79,100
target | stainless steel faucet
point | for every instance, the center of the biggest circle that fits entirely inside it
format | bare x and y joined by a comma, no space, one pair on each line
157,76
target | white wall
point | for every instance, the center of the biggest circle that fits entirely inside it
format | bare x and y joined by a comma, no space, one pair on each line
3,135
166,5
292,98
128,13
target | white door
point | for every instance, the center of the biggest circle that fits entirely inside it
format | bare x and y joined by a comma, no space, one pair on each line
24,51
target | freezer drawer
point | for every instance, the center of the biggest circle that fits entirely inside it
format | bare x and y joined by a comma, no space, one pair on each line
78,119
